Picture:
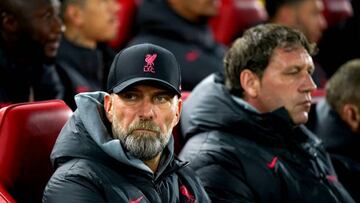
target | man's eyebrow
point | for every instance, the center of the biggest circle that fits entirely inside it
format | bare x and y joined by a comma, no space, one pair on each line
311,68
163,91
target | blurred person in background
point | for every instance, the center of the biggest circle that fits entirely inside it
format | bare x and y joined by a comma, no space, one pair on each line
182,27
341,42
306,16
30,34
84,58
338,124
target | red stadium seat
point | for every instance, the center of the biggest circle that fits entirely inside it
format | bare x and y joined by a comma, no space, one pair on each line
27,134
126,17
5,197
317,95
235,16
336,11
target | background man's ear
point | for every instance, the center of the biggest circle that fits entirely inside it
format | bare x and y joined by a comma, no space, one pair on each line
73,14
250,82
351,115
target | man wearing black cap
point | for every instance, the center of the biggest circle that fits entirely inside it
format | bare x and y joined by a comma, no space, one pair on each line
117,147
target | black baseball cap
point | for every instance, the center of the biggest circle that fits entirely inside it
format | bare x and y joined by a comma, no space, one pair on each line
144,63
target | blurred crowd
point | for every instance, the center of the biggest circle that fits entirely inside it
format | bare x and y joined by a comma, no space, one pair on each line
66,47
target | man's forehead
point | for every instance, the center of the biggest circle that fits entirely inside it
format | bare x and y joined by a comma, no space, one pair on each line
55,3
291,49
286,54
35,4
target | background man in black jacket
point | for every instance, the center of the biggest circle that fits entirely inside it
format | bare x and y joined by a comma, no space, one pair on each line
181,26
29,39
338,124
117,147
246,135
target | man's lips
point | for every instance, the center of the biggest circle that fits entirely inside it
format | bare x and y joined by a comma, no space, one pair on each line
114,21
145,130
53,44
306,104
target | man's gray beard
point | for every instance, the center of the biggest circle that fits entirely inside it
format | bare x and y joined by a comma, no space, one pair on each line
143,146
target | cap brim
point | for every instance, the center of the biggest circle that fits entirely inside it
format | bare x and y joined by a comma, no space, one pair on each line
134,81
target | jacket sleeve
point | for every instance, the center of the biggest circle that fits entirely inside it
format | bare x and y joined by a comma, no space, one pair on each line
72,189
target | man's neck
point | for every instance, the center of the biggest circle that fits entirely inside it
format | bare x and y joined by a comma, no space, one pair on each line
245,104
153,163
77,38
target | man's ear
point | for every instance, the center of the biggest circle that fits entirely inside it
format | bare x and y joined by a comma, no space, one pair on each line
178,110
73,14
351,115
9,22
250,82
108,107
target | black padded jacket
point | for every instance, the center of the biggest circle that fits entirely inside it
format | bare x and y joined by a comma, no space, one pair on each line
23,82
245,156
93,167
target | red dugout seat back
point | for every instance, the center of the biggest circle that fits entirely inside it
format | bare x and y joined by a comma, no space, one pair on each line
318,94
5,197
28,132
336,11
235,16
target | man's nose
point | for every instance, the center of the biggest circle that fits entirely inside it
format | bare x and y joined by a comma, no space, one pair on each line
57,25
322,23
308,84
146,109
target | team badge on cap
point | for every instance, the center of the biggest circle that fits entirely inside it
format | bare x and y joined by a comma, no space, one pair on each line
149,59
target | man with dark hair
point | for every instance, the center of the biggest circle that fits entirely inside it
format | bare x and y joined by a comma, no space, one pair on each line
246,137
30,34
118,147
304,15
181,26
338,124
84,58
